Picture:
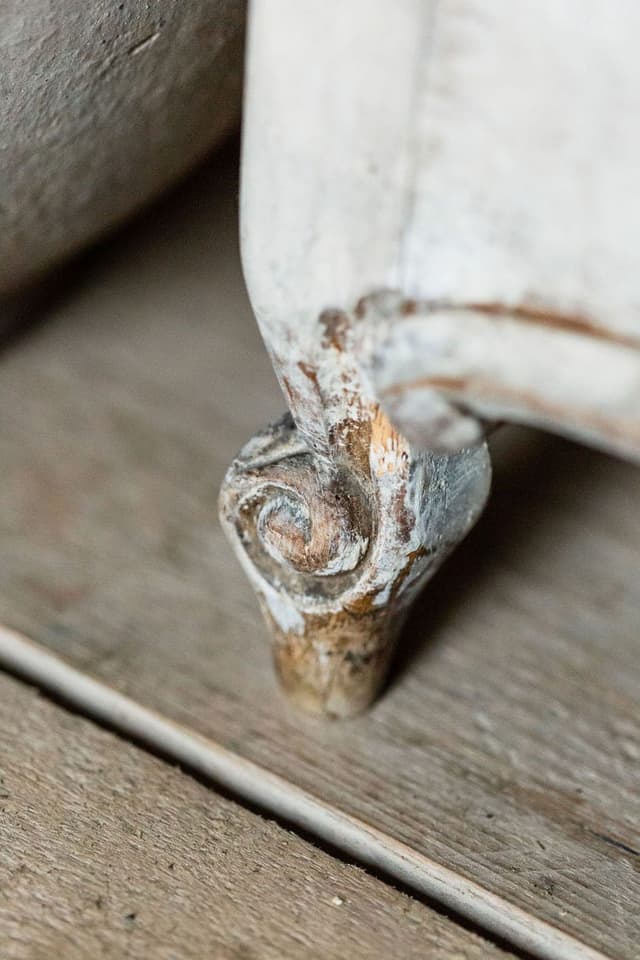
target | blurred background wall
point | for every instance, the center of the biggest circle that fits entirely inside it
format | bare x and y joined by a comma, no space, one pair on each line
103,104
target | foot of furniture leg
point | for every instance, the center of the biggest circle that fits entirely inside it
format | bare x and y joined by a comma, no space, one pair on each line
338,546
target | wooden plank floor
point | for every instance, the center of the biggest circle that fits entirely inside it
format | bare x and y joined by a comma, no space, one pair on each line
507,746
106,851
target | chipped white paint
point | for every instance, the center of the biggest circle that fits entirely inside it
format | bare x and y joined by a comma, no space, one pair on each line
431,370
522,228
333,515
449,155
283,610
336,552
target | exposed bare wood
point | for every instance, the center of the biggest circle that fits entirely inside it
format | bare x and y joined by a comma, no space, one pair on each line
339,545
337,523
442,371
506,750
106,851
457,155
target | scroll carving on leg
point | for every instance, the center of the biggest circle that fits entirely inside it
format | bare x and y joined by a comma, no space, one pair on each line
376,158
338,524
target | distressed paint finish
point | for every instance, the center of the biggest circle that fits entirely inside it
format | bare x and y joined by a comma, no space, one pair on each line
338,542
449,155
443,373
336,521
518,693
519,295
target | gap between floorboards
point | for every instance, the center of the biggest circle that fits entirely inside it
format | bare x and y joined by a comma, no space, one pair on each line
247,782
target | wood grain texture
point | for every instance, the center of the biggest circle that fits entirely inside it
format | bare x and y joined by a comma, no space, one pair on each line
508,744
106,851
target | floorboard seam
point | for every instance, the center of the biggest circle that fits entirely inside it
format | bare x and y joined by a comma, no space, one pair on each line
272,794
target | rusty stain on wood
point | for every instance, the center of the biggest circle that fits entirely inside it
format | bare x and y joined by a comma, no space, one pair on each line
309,373
443,372
336,325
466,390
556,320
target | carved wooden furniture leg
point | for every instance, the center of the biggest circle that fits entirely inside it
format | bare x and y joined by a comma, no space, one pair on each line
337,522
429,220
339,525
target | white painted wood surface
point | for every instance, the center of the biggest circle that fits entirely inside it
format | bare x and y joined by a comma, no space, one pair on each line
336,521
482,163
522,224
456,152
443,372
504,753
430,219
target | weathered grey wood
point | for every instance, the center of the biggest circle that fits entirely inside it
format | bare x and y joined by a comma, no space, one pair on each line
106,851
256,785
508,745
336,520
